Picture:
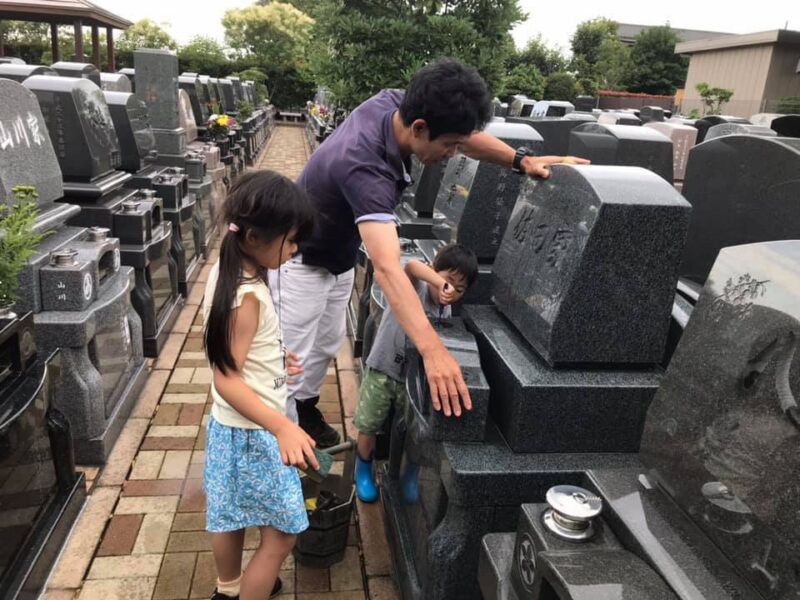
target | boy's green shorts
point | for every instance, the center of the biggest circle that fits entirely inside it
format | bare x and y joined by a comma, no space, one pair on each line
375,398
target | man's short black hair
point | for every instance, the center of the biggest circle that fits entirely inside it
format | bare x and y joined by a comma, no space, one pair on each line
450,96
459,259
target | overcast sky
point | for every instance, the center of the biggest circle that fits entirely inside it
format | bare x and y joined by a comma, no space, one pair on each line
555,21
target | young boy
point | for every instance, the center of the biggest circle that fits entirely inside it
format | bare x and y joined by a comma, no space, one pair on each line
454,269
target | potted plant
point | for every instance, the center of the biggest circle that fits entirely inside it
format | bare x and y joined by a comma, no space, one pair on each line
245,109
18,242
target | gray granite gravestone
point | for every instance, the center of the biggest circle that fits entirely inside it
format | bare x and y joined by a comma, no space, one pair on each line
521,107
683,139
618,118
75,111
716,131
187,118
79,70
132,124
555,131
709,121
238,90
225,86
476,198
27,155
722,433
191,84
750,181
551,108
651,114
157,87
623,145
585,103
74,282
20,73
115,82
585,233
130,74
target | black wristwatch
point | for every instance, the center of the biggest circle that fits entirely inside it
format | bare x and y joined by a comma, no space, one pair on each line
521,153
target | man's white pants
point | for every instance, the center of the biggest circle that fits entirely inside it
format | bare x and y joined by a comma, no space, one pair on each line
312,307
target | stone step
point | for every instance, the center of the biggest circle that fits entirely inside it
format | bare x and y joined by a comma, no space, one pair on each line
494,566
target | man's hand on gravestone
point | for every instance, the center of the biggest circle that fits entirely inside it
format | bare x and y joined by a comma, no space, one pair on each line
539,166
448,390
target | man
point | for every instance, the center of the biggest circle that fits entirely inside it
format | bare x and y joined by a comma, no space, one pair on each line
355,180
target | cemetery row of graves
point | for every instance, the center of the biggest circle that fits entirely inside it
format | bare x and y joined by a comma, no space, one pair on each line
629,346
630,351
113,184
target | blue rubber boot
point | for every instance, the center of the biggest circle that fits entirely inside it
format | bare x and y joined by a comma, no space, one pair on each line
366,490
409,483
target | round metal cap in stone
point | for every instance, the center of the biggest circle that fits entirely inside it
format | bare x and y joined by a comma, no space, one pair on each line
130,206
146,193
98,234
571,512
64,258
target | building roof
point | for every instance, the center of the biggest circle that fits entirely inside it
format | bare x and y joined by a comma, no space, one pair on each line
776,36
627,33
61,11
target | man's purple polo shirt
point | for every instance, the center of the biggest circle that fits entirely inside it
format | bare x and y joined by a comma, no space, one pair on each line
356,175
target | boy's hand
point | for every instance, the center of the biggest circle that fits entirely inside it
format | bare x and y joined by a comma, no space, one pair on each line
447,294
294,367
296,446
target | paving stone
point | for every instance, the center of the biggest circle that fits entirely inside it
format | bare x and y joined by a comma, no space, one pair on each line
169,353
115,567
194,398
175,578
205,576
122,455
189,522
181,375
147,464
152,487
176,463
135,505
348,391
167,443
312,580
167,414
346,575
382,588
129,588
377,558
188,431
191,414
193,498
120,535
147,402
154,533
84,538
189,541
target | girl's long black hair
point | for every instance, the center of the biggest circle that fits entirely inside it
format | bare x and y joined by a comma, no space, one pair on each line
268,206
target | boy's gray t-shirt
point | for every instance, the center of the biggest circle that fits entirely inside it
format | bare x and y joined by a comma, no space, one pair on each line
388,353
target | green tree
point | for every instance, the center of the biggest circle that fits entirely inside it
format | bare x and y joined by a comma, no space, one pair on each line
276,33
536,53
589,36
361,46
613,66
306,6
713,98
142,34
655,68
524,79
204,55
259,78
560,86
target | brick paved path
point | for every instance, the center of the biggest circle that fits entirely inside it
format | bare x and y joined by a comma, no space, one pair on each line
141,534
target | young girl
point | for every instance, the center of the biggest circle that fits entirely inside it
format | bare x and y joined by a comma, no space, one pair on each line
251,445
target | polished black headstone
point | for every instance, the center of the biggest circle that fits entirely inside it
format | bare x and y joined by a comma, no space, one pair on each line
20,73
723,432
521,107
787,125
742,189
704,124
421,194
585,103
132,124
226,92
589,262
477,197
79,70
554,131
623,145
194,88
79,125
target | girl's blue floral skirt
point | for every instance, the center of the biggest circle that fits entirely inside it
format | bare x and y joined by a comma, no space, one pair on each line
247,484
